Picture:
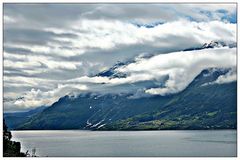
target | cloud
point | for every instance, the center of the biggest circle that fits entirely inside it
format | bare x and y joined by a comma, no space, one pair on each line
33,61
36,98
102,35
182,67
161,12
47,45
229,77
8,19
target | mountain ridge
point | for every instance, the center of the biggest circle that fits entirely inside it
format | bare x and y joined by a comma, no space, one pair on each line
104,112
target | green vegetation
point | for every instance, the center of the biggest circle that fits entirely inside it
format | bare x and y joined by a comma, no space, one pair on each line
140,122
190,110
197,107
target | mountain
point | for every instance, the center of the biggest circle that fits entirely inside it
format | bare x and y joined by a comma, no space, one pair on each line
15,119
111,72
199,106
212,44
149,25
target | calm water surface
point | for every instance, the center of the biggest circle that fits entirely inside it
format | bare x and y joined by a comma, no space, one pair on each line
128,143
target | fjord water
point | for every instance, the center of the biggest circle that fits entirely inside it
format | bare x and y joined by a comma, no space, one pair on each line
74,143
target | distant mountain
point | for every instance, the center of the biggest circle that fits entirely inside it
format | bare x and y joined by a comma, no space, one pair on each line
111,72
15,119
212,44
149,25
197,107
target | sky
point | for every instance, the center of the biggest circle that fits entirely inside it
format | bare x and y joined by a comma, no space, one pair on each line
53,50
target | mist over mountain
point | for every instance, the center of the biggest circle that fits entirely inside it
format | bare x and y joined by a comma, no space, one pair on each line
120,67
204,104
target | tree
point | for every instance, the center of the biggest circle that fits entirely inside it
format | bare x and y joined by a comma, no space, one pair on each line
10,148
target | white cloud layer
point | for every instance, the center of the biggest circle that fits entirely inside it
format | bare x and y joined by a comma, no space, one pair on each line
38,98
229,77
105,35
180,67
50,51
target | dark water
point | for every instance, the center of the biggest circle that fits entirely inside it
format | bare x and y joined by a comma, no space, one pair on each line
129,143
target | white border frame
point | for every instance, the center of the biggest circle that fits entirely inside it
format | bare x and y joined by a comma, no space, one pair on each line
115,1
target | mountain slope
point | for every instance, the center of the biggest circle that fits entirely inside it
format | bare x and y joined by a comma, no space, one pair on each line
205,107
89,110
199,106
17,118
